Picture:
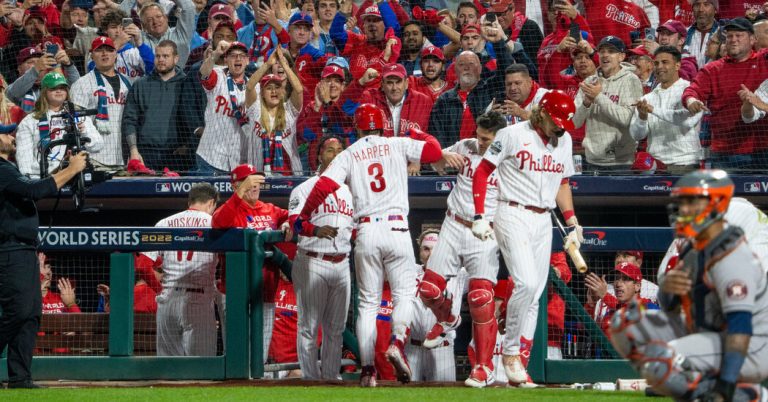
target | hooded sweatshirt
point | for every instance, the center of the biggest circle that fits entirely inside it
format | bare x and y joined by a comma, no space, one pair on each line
607,141
151,108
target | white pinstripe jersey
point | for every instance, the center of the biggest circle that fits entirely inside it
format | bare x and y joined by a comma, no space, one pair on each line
530,171
189,269
220,144
460,200
376,170
336,211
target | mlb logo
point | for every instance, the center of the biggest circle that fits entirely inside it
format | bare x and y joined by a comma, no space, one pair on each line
753,187
163,187
445,186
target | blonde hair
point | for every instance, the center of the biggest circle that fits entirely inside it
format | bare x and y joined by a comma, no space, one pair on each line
41,105
5,104
279,115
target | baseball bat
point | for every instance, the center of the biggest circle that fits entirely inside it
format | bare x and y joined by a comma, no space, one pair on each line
572,251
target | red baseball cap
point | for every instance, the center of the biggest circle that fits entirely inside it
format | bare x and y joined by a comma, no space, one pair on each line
500,6
241,172
469,28
673,26
635,253
631,271
640,51
265,80
332,70
394,70
432,51
236,45
27,53
372,11
220,9
101,41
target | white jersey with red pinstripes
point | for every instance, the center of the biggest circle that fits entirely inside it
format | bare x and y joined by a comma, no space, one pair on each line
376,170
220,143
460,200
530,170
188,269
336,210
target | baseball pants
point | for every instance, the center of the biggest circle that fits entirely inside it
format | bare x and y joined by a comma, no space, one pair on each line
322,298
383,250
431,364
525,241
457,247
186,323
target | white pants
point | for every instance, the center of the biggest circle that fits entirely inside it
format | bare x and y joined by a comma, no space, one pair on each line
383,250
525,241
431,364
186,323
457,247
322,298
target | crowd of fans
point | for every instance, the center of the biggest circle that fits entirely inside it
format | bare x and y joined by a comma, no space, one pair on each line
198,87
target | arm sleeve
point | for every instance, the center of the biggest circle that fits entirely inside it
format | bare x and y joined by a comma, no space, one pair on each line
226,216
245,14
320,192
145,268
480,185
71,73
130,124
389,17
21,86
431,151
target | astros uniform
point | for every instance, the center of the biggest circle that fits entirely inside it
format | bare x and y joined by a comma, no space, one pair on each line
375,168
438,364
83,94
222,136
322,279
186,321
531,171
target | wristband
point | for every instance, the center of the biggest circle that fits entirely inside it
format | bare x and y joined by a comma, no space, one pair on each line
478,217
568,214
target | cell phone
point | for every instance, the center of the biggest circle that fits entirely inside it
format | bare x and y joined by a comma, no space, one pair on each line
650,34
634,36
490,18
52,49
575,31
127,22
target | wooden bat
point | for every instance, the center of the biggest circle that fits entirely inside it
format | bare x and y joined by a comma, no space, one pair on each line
572,251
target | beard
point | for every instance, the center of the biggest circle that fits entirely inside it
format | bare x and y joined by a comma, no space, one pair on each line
165,70
8,148
468,80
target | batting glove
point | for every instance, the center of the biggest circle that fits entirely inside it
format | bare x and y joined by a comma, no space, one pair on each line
481,228
574,238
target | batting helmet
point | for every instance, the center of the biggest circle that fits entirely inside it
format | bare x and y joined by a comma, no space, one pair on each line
241,172
560,108
369,117
714,185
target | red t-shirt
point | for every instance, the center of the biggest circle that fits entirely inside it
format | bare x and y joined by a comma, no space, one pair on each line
52,304
282,348
615,17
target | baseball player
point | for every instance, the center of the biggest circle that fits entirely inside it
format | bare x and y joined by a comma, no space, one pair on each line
500,297
225,114
751,220
375,168
321,270
186,321
534,160
244,210
458,247
711,332
436,363
105,90
384,369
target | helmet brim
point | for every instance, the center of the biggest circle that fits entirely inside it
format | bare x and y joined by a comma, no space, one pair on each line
565,124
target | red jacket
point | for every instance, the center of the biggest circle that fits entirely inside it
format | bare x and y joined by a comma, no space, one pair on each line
419,84
144,299
615,17
414,113
730,135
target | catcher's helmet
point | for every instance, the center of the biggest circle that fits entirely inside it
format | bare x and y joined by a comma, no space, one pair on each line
712,184
369,117
560,108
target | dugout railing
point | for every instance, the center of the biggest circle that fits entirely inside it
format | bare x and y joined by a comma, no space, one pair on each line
244,251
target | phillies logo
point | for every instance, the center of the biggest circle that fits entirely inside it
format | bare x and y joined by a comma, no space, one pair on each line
615,13
595,238
545,164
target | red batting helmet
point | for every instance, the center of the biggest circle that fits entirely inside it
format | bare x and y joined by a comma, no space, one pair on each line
369,117
241,172
560,108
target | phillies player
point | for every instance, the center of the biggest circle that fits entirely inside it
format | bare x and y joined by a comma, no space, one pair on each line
436,363
244,210
534,160
375,168
225,115
457,247
321,270
186,321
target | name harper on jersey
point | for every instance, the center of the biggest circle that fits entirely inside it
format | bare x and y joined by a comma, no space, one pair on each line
545,164
111,99
223,107
189,222
469,172
373,152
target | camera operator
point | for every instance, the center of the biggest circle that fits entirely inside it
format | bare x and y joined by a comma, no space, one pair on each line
20,298
45,124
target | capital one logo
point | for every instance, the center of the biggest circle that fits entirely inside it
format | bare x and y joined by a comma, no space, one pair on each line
595,238
660,186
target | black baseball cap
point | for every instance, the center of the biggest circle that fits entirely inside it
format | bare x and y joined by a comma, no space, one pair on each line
614,42
740,24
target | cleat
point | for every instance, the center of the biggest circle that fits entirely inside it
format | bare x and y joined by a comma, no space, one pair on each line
439,333
480,377
396,356
514,369
368,377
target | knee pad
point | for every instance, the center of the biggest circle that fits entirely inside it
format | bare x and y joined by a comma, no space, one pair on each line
480,299
667,371
432,287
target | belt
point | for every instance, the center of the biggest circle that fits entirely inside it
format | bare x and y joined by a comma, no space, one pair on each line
416,342
459,219
368,219
334,258
190,290
529,207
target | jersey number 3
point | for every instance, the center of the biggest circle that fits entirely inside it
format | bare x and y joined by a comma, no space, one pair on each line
378,184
